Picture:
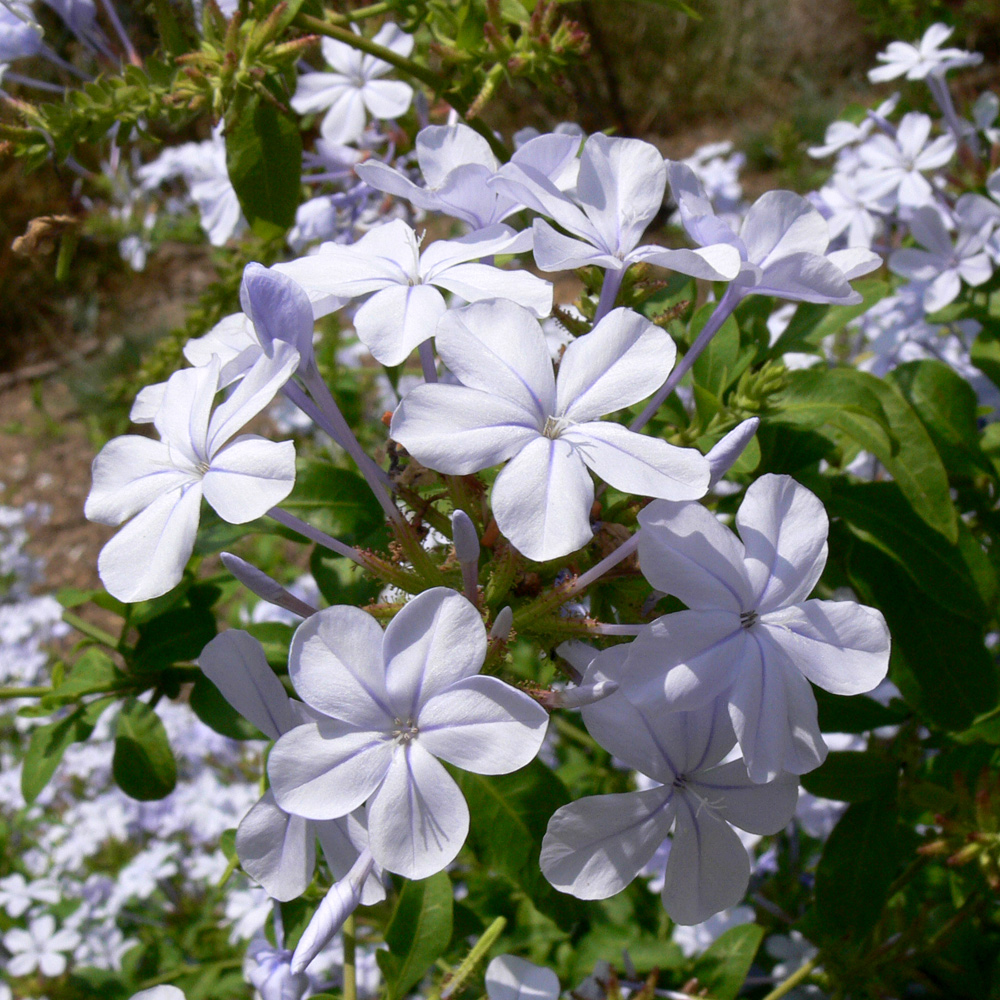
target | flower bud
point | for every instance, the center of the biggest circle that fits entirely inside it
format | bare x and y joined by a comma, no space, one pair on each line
723,456
502,624
264,586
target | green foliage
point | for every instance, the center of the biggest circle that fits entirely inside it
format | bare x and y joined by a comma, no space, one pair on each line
143,765
418,933
723,968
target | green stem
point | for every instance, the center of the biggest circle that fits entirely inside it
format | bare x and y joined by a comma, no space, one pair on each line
412,68
350,970
477,953
226,963
95,633
24,692
800,975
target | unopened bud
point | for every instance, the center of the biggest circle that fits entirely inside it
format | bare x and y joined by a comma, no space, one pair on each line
723,456
264,586
502,624
465,537
577,697
338,904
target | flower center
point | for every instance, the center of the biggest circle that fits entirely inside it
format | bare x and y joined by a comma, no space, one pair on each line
203,468
748,618
554,426
405,730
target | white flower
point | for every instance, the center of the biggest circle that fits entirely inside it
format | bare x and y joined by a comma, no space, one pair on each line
595,846
356,87
782,244
456,163
407,303
276,848
39,947
942,267
20,33
619,189
750,637
511,978
897,166
510,407
841,134
853,212
157,486
920,59
165,992
391,704
17,895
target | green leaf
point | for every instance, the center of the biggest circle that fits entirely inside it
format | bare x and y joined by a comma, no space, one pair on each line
848,776
176,636
275,637
939,661
812,323
853,714
94,669
264,160
713,369
418,934
509,815
48,744
958,577
208,703
947,404
340,580
875,415
143,763
857,867
722,969
334,500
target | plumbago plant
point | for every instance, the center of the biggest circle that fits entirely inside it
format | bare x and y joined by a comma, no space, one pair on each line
605,592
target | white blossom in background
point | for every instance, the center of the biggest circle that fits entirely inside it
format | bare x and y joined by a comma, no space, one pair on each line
356,88
595,846
942,266
896,166
388,706
511,978
619,190
157,486
510,408
783,244
39,947
841,134
405,284
918,60
456,162
20,33
750,638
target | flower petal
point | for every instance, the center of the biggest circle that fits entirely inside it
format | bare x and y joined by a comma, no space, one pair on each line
147,557
708,869
325,770
774,710
684,550
387,98
639,464
276,849
457,430
622,360
840,646
498,347
483,725
595,846
784,527
542,500
756,808
511,978
129,473
438,638
396,319
686,659
235,663
418,819
335,663
474,282
248,477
